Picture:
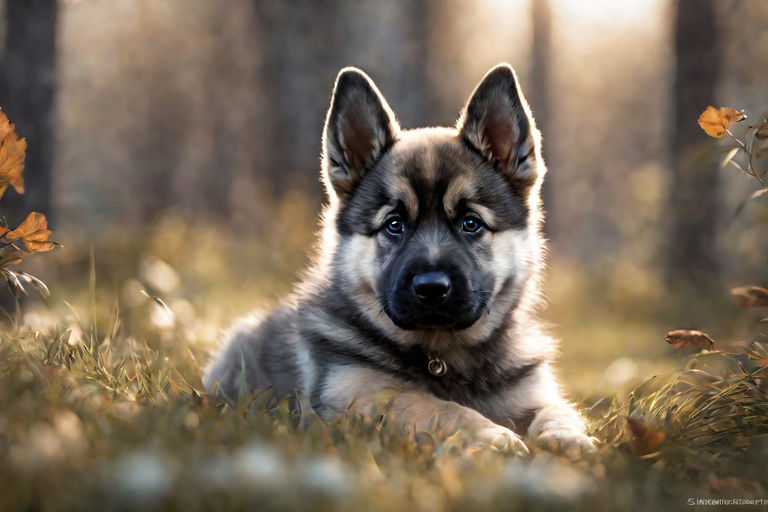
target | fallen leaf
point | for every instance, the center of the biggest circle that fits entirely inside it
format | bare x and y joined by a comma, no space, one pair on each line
12,152
750,296
687,338
34,232
645,437
716,121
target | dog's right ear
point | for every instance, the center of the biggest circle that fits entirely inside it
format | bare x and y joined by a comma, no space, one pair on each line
359,128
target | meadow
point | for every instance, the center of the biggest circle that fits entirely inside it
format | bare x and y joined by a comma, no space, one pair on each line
102,406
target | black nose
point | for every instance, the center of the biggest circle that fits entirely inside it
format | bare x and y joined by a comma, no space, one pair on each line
431,287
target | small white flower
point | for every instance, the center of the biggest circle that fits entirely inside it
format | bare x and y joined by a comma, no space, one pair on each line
260,465
547,477
143,476
327,475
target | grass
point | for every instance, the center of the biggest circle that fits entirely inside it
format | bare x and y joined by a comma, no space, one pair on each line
114,423
101,408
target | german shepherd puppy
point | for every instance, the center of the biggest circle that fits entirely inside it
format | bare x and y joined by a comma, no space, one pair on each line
421,302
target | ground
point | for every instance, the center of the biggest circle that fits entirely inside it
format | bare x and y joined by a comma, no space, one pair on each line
101,405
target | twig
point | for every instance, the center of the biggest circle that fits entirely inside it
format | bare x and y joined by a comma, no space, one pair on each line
743,146
739,167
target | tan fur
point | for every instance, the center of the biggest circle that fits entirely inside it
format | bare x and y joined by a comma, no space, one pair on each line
400,188
463,187
334,340
368,392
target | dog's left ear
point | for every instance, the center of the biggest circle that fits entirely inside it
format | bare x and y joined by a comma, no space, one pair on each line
497,123
359,128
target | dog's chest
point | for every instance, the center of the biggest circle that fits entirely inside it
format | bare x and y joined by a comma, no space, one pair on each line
477,386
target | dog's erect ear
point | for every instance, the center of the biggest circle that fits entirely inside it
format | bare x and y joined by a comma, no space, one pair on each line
359,128
496,122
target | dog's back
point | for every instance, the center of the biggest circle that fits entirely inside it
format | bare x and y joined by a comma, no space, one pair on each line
257,353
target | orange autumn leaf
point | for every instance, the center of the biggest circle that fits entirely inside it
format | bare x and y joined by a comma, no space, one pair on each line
34,232
716,121
645,437
12,152
10,258
687,338
33,225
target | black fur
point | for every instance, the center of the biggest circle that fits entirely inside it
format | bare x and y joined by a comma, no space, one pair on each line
459,204
468,385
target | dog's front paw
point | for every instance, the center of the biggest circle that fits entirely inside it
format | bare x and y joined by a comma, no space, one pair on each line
570,443
501,439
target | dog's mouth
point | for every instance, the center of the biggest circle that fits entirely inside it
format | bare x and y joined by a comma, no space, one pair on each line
413,305
434,320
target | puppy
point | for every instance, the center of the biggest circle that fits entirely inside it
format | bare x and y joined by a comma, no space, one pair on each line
421,300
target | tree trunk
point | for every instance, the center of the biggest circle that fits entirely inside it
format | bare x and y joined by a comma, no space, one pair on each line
692,257
27,91
305,45
538,92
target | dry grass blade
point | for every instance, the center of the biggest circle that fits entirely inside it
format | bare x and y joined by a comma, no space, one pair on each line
160,302
37,283
711,418
729,156
13,282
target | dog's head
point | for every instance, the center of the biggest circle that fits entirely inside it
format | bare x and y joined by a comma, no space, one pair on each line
437,228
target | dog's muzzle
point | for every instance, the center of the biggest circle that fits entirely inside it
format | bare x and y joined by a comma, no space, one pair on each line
431,288
427,295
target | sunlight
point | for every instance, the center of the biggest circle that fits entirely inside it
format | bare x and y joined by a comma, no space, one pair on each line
604,12
250,258
595,12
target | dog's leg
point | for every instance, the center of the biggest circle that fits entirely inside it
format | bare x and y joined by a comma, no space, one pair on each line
444,418
558,427
556,424
368,392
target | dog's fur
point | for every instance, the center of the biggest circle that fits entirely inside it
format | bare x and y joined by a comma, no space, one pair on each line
431,250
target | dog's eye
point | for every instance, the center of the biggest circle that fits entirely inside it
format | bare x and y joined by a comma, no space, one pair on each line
471,224
395,225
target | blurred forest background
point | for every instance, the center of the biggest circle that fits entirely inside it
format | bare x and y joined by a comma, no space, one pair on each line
180,140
